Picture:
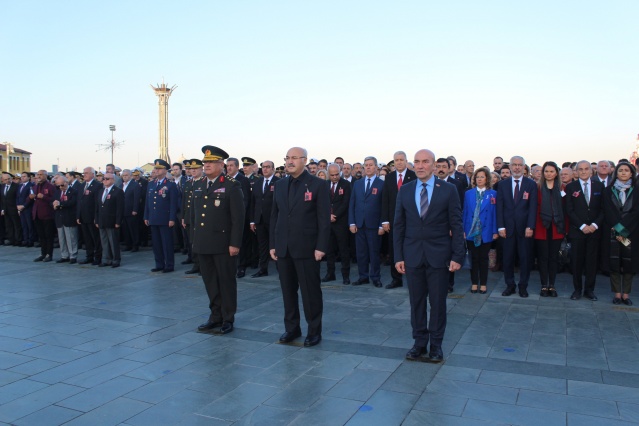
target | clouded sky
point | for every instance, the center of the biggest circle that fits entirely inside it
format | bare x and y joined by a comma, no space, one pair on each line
550,80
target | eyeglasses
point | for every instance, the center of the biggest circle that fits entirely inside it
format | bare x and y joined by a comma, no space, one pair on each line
106,178
292,158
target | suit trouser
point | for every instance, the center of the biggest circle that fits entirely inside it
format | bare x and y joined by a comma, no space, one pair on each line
218,274
162,237
338,243
262,233
368,242
522,246
244,259
131,231
548,259
584,251
68,238
302,274
178,236
92,241
479,266
26,220
110,239
14,228
427,283
46,233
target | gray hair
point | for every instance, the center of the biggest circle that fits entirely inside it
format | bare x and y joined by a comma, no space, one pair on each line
400,153
370,157
126,171
519,157
339,169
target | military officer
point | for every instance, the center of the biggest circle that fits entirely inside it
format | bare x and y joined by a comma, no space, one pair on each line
250,238
142,228
195,168
160,215
218,207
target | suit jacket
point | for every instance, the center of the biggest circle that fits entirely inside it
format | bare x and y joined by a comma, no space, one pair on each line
42,208
87,202
131,198
428,241
77,187
262,202
66,213
161,203
109,212
579,212
340,202
246,190
9,204
218,215
300,224
461,178
461,189
517,215
487,213
22,197
389,195
625,218
366,207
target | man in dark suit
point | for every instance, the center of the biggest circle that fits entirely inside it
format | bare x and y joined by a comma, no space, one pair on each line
300,230
392,185
65,216
179,179
25,205
86,217
188,219
516,219
260,214
340,195
250,170
160,215
429,243
108,218
455,174
131,210
10,210
42,213
584,209
218,212
233,171
604,176
143,230
365,221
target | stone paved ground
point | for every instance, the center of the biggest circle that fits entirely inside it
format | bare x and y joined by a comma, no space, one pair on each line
101,346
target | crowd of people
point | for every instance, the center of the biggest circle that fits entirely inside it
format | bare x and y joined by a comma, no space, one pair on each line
228,215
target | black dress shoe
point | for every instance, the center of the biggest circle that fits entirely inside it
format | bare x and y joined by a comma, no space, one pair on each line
260,274
85,261
312,340
209,326
473,291
192,271
435,355
451,289
226,328
361,281
576,295
186,262
47,258
102,265
135,249
415,353
167,270
328,278
72,261
346,281
39,259
395,284
552,292
508,291
241,273
616,301
96,262
289,336
157,269
115,264
523,293
627,302
483,291
590,295
543,292
377,283
63,260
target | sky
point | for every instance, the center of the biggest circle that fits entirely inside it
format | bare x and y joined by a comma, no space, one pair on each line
549,80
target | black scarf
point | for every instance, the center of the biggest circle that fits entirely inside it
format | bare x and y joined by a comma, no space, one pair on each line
552,211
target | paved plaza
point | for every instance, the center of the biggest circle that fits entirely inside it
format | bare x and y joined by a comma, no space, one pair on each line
82,345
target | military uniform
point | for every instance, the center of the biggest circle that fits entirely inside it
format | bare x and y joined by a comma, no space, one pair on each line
161,208
188,215
218,220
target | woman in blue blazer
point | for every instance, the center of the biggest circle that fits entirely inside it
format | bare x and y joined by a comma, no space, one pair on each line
480,226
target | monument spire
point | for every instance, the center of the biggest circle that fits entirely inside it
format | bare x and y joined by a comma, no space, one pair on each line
163,93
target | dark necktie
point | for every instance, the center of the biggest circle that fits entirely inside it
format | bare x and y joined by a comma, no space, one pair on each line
292,191
210,184
516,189
265,186
423,203
368,184
333,190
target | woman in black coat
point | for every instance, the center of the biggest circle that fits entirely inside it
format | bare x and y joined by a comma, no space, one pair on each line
621,208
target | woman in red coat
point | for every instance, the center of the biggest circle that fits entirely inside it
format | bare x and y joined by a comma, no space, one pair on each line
551,227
